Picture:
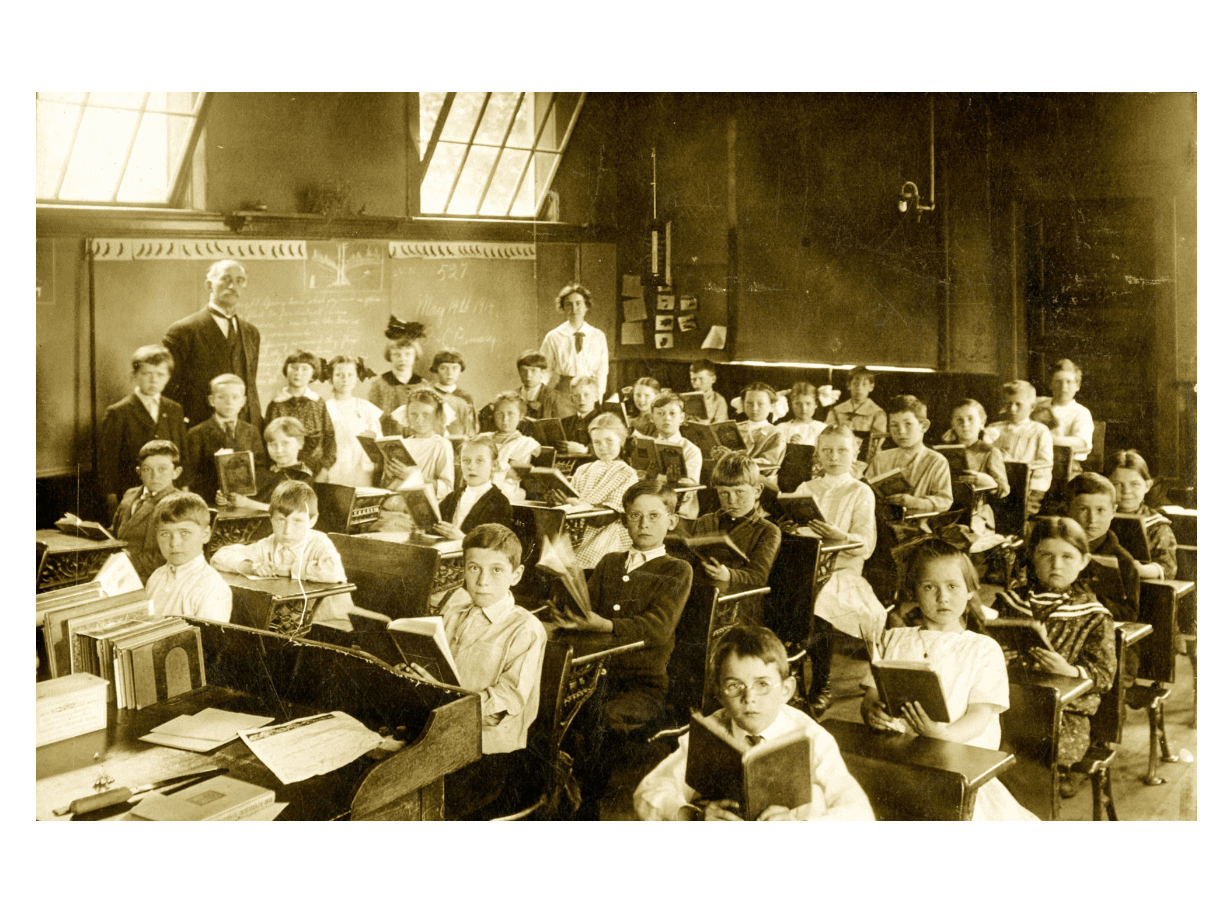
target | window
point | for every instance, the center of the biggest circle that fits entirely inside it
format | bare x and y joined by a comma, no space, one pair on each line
492,153
113,147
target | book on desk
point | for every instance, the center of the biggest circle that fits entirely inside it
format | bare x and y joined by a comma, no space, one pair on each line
721,765
70,524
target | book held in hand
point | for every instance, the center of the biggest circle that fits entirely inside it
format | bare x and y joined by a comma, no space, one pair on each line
712,546
890,483
391,446
694,405
801,508
421,641
721,764
420,504
797,466
900,681
237,473
537,482
1018,635
548,431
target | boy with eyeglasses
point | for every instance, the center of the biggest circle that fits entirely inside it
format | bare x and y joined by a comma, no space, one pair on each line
751,678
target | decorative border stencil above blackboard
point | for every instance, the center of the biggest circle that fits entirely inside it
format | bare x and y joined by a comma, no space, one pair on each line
401,250
163,249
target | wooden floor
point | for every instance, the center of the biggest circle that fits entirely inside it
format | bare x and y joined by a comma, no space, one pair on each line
1176,799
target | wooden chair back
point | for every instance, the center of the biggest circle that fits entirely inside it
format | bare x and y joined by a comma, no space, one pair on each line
788,608
1030,729
1011,511
1131,533
686,668
391,578
334,505
1095,459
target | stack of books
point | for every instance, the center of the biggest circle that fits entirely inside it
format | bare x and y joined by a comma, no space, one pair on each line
146,659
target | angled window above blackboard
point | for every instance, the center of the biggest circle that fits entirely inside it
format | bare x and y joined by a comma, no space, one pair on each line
128,148
492,154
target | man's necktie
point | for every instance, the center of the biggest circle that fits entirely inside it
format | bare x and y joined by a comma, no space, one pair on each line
754,740
578,339
145,495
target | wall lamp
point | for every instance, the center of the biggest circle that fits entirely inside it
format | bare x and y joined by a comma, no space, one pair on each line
909,197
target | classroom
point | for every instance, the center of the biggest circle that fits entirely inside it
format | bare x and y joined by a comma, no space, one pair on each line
772,298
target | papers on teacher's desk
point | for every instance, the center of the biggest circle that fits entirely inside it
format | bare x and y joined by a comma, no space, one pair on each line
310,746
204,731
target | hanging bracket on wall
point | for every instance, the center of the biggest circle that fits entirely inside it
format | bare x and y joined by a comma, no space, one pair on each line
909,197
658,236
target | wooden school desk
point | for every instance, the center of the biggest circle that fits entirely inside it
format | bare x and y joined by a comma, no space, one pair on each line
66,560
273,675
278,604
912,778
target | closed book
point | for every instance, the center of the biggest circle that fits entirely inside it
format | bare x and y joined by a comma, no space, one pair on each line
956,455
1018,634
421,641
123,645
69,706
797,466
801,508
900,682
56,622
713,546
694,405
548,431
721,764
537,482
237,472
167,667
220,798
422,506
642,456
889,483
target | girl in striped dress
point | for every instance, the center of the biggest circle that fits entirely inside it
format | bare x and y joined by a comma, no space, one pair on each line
1132,480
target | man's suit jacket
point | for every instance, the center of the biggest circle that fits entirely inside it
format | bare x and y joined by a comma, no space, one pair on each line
492,507
203,441
201,353
139,531
126,427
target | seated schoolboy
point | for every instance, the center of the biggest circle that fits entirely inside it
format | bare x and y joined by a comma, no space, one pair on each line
295,549
667,413
284,438
447,368
498,648
751,678
186,585
511,444
767,442
636,595
479,502
158,466
926,470
297,400
1091,501
860,413
224,431
737,481
143,415
1020,439
584,392
702,377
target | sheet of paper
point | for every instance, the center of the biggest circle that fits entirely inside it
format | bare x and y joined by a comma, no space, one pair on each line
118,575
310,746
212,724
635,309
716,338
632,334
631,286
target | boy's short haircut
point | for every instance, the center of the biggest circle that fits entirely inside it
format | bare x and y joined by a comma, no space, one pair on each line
749,642
159,448
705,364
1130,459
227,380
1013,389
510,396
970,403
484,441
291,496
1065,364
154,355
532,357
1062,527
650,382
910,404
495,537
584,380
666,398
287,426
654,487
573,288
1089,483
735,469
801,388
609,421
862,371
759,387
183,506
301,356
447,356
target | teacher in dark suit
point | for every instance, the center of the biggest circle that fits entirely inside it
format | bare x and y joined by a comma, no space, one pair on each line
215,341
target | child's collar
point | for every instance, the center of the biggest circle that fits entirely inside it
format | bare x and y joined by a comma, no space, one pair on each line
285,393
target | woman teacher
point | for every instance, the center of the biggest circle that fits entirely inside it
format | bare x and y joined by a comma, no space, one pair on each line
575,348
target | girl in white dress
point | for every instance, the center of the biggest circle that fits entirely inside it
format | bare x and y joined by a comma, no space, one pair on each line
351,416
508,410
847,600
423,413
971,666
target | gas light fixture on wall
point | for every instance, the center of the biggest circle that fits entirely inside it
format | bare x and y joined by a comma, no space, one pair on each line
909,197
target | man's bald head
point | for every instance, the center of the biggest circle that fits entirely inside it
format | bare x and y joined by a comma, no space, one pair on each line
225,280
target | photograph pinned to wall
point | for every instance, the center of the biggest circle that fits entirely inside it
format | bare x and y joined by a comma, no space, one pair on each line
632,333
667,302
664,340
688,302
688,323
635,309
663,323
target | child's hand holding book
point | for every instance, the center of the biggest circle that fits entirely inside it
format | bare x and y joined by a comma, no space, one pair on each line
586,620
449,531
1050,662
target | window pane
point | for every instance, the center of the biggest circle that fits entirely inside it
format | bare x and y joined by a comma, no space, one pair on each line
131,100
54,125
508,170
74,98
436,183
523,133
172,102
475,173
543,171
429,109
98,155
524,205
156,154
496,118
462,116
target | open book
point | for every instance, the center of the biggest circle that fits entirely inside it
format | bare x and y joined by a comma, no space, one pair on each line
713,546
1018,634
83,528
708,436
537,482
548,431
421,641
694,405
391,446
723,765
557,558
889,483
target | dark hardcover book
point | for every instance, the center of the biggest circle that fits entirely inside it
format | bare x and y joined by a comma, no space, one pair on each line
642,455
728,434
421,641
548,431
701,436
694,405
616,408
722,765
889,483
537,482
900,682
713,546
956,455
797,466
391,446
1131,533
1062,459
169,666
237,473
421,506
1018,634
83,528
545,459
670,460
801,508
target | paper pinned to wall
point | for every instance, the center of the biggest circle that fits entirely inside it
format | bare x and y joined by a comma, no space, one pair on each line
716,338
631,286
635,309
632,334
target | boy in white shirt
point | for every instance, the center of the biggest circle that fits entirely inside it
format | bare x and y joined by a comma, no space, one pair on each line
668,414
1075,426
186,584
1024,440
